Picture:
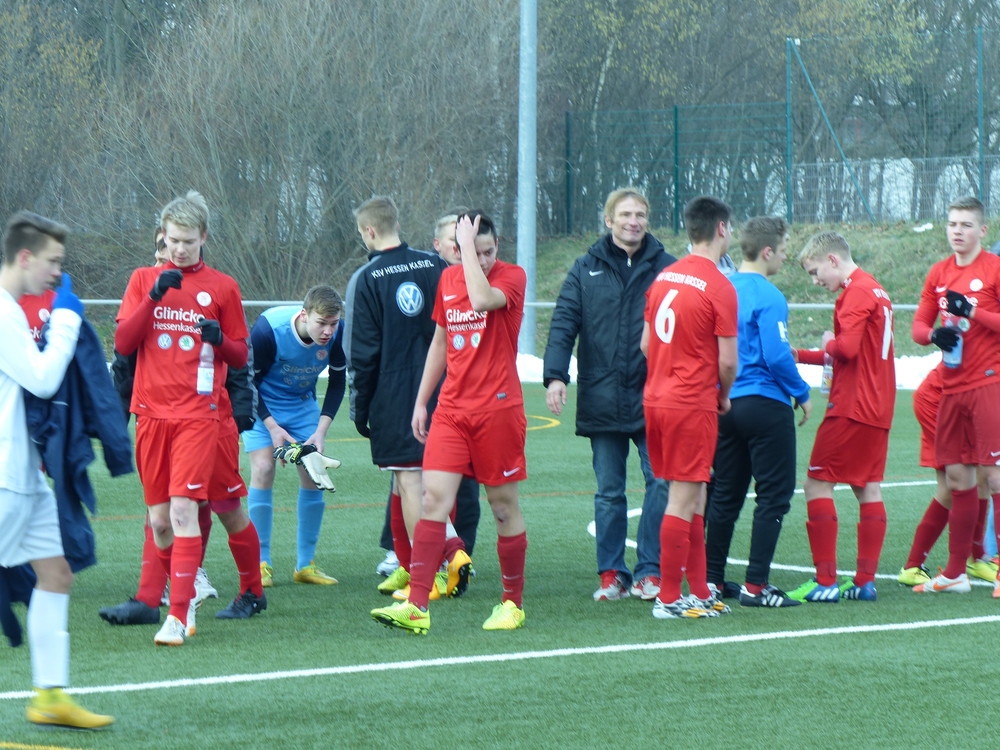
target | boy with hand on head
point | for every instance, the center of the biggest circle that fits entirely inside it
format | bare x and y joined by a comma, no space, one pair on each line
479,425
29,523
853,440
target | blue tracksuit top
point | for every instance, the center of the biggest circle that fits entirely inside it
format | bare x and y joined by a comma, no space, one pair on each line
766,365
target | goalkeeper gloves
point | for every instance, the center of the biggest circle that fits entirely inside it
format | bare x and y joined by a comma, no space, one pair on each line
945,339
309,458
958,304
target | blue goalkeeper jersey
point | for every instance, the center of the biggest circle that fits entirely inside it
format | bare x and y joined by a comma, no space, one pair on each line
287,368
766,365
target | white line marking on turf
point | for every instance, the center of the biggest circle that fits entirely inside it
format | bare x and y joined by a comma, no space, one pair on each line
508,657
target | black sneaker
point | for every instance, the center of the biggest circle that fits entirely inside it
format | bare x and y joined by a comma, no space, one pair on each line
132,612
769,596
243,606
730,590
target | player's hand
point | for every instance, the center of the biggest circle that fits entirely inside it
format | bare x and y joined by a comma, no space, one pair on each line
958,304
466,230
944,339
555,397
363,429
170,279
316,465
419,423
65,298
211,331
807,409
724,406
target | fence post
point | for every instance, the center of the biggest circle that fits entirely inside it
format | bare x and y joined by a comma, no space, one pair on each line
789,154
569,173
677,171
979,88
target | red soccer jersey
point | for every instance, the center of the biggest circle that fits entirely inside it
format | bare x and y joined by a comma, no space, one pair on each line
980,282
37,308
482,347
864,368
166,371
688,306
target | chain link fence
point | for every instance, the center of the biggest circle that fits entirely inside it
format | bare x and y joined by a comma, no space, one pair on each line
914,125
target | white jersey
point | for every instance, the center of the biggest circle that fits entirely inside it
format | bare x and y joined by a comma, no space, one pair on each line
22,365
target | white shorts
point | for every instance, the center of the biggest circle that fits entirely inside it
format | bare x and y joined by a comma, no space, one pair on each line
29,527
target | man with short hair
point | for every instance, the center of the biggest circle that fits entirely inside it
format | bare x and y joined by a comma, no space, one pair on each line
853,440
601,305
964,290
292,346
757,435
388,332
29,522
166,316
689,339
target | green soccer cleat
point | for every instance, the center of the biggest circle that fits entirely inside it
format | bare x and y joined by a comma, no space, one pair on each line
437,590
506,616
266,575
812,591
52,707
405,616
914,576
984,569
399,578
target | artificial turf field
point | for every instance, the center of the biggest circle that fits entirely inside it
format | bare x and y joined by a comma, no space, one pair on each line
315,671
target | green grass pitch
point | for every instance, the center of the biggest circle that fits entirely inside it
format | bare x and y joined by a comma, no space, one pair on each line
314,670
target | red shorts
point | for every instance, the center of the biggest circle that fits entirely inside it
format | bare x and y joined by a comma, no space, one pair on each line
227,488
487,446
681,443
849,452
175,458
926,399
968,429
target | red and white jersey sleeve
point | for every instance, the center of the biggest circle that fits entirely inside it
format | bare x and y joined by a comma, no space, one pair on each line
482,347
689,306
980,283
864,370
166,370
37,308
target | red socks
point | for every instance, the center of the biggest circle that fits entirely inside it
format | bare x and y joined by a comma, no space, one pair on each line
512,551
400,537
871,535
675,545
928,531
152,576
822,529
428,548
697,571
245,547
962,524
183,566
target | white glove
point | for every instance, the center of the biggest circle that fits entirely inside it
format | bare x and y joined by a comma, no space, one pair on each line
316,464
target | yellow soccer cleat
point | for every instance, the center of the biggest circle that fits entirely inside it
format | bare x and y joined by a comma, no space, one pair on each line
266,575
459,569
506,616
398,579
439,588
52,707
311,574
405,616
